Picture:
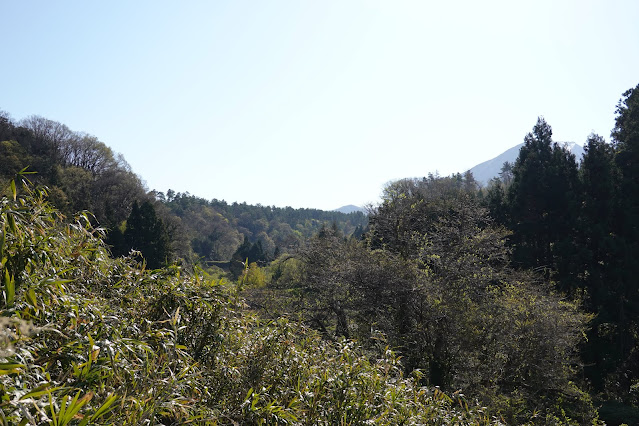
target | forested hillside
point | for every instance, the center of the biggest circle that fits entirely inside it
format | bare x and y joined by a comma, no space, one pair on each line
82,173
449,304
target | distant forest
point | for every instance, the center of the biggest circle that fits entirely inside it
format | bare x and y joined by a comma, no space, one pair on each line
449,303
83,174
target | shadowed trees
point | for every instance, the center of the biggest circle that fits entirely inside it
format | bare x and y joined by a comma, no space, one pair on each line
146,233
581,227
543,204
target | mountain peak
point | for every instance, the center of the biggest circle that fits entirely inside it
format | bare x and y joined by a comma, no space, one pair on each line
487,170
350,209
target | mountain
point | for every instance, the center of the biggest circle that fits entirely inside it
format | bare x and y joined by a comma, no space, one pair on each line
350,209
487,170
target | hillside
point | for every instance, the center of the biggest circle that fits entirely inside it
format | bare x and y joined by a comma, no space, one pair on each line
166,308
83,173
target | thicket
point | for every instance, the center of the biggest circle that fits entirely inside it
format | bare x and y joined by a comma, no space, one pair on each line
88,339
434,277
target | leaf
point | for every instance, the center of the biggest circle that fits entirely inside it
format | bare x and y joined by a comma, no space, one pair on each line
13,189
2,232
68,409
39,391
104,408
31,298
10,368
9,288
12,222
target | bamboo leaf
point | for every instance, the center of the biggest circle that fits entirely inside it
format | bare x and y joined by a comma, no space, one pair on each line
2,232
10,368
12,222
73,407
9,288
39,391
105,408
52,409
63,409
31,298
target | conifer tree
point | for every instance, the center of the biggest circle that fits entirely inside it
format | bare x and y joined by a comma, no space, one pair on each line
148,234
600,258
544,201
625,137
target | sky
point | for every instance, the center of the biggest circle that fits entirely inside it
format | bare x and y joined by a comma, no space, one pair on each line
315,104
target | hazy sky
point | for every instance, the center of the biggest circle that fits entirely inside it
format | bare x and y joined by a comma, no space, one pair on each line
315,103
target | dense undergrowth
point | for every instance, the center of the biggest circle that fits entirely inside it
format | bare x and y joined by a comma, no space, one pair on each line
88,339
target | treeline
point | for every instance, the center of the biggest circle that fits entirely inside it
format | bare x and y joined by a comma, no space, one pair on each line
83,174
217,229
578,223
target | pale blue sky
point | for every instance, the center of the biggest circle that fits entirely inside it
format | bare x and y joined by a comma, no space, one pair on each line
315,103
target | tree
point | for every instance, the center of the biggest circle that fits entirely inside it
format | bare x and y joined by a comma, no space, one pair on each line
506,173
49,136
253,253
496,201
147,233
625,137
14,158
543,201
600,259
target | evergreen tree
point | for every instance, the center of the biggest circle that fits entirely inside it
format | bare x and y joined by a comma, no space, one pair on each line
600,258
148,234
626,229
253,253
496,202
544,200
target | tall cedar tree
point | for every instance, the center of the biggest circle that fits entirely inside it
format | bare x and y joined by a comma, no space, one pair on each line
600,254
625,137
544,201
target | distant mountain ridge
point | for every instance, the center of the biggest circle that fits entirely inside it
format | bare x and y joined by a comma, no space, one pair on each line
350,209
487,170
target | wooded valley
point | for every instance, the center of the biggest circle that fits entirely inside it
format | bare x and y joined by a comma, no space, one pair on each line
449,303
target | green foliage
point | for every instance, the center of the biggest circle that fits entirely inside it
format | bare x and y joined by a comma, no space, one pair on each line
438,284
14,158
87,339
253,276
245,255
581,229
217,229
144,232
